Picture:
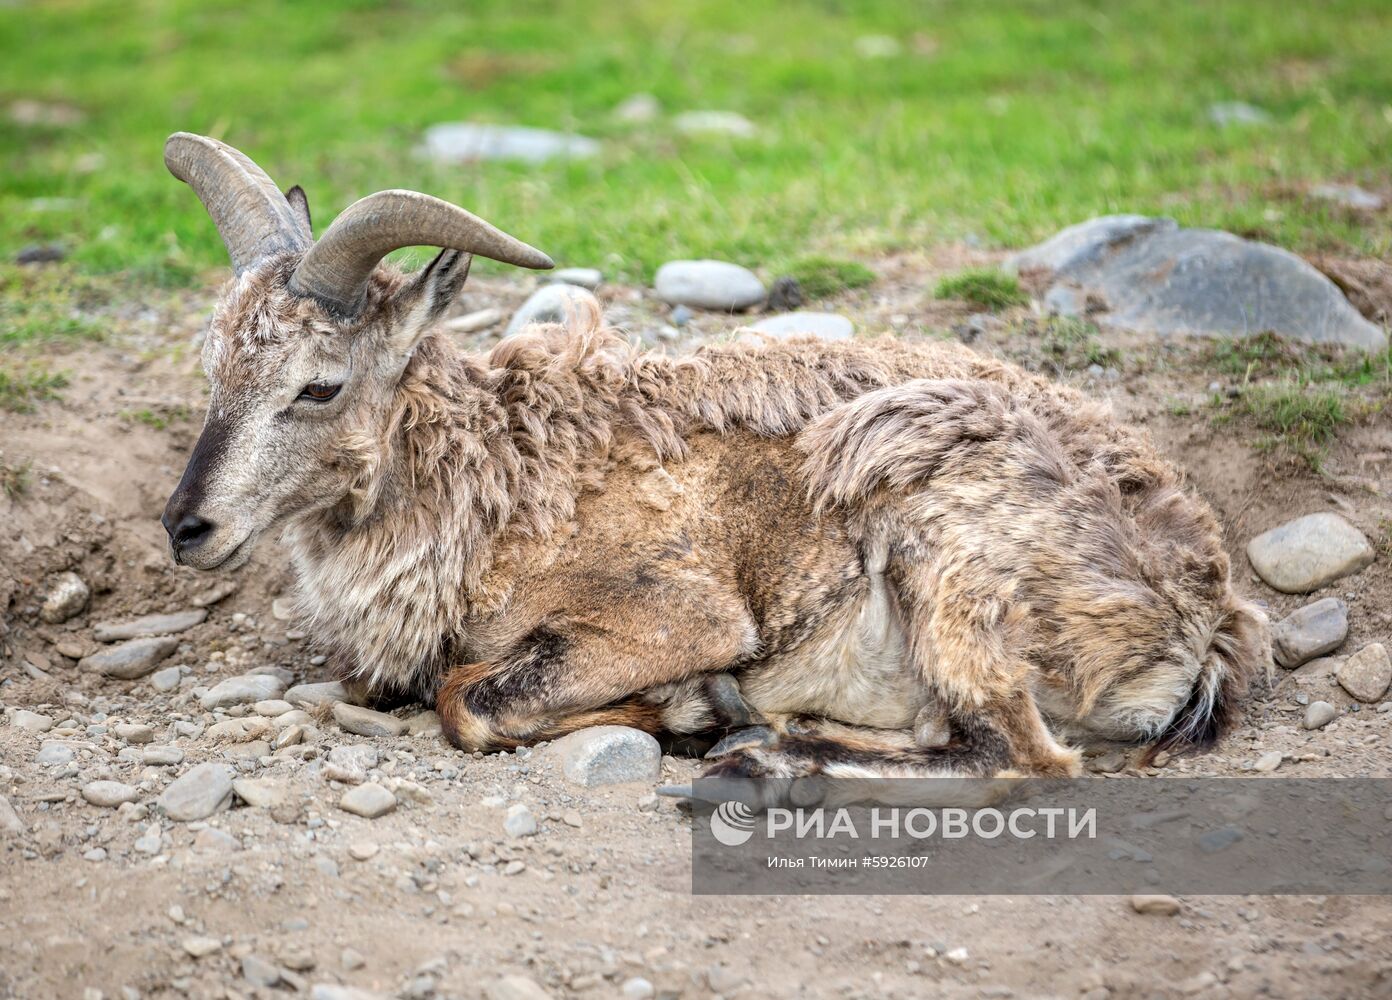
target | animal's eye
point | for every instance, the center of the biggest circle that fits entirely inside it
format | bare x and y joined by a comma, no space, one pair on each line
320,392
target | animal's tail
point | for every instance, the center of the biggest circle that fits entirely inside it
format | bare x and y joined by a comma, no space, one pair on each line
1239,649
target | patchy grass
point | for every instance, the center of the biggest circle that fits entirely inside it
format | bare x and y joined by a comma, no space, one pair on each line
22,386
822,277
16,479
985,287
1072,344
44,306
1268,356
1298,421
160,419
998,122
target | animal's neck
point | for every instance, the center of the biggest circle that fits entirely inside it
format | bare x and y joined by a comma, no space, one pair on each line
473,457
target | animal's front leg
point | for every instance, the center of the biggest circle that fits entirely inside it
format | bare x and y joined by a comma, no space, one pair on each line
568,676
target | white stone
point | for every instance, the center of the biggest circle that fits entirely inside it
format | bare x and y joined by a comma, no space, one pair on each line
708,284
243,690
520,822
608,755
31,722
66,597
131,659
318,693
555,303
730,123
150,625
109,794
369,801
198,793
466,142
366,722
1367,673
1309,552
827,326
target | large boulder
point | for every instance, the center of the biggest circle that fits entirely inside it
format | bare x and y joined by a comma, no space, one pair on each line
1149,275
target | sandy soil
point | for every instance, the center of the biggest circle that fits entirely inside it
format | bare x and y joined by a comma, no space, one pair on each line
421,902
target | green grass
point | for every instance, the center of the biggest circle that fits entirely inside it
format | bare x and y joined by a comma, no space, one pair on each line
21,386
821,277
985,287
16,479
159,421
1073,344
1296,420
994,122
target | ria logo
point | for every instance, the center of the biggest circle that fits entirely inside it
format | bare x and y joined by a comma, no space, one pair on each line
732,823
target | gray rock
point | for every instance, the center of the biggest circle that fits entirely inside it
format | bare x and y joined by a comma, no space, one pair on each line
212,840
1349,195
1307,553
556,303
366,722
1311,631
1319,714
259,971
66,597
109,793
467,142
198,793
283,609
132,659
165,680
140,628
10,823
1155,905
260,793
54,754
636,988
1268,761
353,760
581,277
479,319
1367,673
608,755
425,723
514,988
368,801
134,733
1228,113
272,708
162,757
519,821
828,326
318,693
201,947
31,722
217,592
1153,277
708,284
243,690
730,123
333,991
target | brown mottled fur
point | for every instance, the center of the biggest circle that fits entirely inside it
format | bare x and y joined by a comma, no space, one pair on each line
569,532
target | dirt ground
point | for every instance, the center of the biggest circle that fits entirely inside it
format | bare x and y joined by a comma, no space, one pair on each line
435,898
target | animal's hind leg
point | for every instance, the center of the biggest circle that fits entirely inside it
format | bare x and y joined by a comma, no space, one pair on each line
830,763
968,637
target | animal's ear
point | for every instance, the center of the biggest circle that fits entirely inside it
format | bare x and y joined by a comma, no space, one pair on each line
424,299
299,202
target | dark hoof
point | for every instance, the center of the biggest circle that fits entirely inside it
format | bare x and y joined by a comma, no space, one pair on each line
743,739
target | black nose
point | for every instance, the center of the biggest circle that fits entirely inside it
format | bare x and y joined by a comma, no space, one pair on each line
190,531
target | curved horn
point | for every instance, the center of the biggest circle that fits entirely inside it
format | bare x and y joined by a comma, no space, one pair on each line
252,216
336,269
